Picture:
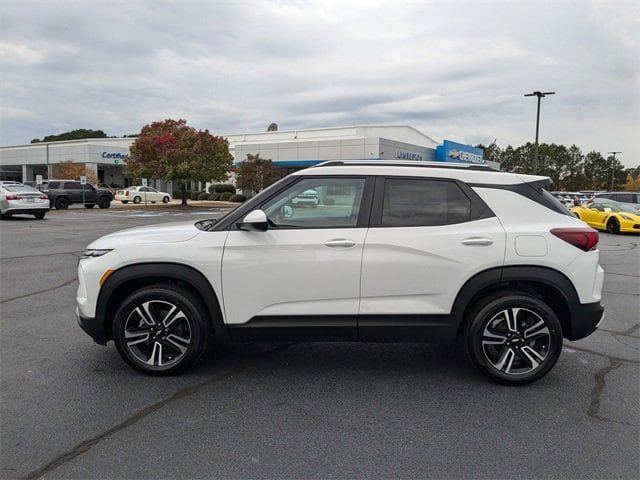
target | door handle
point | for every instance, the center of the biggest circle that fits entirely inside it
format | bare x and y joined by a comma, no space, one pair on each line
340,243
480,241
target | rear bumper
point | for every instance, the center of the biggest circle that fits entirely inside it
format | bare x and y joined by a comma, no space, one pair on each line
585,318
26,210
92,327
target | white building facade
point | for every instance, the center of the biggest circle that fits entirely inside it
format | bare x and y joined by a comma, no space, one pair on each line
289,149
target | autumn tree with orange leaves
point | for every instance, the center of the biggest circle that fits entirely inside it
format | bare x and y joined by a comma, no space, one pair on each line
175,151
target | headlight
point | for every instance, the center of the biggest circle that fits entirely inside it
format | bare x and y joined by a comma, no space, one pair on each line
94,252
626,217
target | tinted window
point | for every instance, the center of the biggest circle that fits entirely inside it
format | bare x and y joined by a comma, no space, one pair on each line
72,186
317,203
415,202
52,185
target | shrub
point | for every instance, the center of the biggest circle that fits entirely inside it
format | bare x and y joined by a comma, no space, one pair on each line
191,195
203,196
214,196
225,196
238,198
222,187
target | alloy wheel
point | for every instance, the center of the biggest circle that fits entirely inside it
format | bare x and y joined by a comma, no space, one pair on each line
157,333
516,341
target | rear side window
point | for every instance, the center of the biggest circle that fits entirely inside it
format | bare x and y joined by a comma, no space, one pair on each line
417,202
53,185
72,186
553,203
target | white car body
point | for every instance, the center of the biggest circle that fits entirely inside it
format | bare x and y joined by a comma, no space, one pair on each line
16,199
375,274
141,195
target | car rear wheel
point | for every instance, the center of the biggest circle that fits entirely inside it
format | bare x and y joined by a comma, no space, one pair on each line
613,226
137,200
513,338
39,215
165,200
104,202
161,329
125,201
62,203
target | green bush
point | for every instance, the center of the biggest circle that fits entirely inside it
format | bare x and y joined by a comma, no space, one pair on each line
225,196
222,188
238,198
214,196
203,196
191,195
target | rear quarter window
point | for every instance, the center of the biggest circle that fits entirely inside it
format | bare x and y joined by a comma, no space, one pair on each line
53,185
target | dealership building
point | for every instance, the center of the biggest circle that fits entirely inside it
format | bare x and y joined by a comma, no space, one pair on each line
289,149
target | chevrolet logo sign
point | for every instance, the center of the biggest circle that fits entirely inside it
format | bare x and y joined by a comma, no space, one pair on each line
455,154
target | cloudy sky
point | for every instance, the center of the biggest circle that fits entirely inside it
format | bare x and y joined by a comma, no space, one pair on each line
455,70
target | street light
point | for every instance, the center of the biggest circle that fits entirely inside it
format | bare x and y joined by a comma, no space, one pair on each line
539,95
613,167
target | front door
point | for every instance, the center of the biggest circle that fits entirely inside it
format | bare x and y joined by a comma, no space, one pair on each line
301,277
426,239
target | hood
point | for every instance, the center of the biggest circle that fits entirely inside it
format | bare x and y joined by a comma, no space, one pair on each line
162,233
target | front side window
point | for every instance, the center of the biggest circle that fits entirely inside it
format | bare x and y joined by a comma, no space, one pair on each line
317,203
417,202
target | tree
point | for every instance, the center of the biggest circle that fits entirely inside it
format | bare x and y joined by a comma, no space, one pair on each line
68,169
256,174
172,150
72,135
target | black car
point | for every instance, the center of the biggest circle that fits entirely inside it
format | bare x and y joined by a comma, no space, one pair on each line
63,193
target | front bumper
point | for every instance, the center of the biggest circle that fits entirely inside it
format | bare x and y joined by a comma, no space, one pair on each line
585,318
92,327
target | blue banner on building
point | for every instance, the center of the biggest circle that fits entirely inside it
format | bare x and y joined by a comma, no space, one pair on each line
458,152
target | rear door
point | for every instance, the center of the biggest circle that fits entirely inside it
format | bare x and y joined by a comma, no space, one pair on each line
427,237
73,190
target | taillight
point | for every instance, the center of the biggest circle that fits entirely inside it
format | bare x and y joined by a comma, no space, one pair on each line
13,197
126,193
585,239
44,197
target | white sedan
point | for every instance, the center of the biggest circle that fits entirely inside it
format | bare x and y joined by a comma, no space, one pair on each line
142,194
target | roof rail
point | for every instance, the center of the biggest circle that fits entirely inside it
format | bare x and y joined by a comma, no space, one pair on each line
395,163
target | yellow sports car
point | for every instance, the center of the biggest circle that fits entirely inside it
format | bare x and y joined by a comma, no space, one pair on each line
612,217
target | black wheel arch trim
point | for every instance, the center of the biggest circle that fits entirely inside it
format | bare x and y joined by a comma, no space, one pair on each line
574,327
165,270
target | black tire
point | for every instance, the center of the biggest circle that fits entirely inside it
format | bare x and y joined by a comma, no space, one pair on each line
613,226
514,358
153,202
194,325
39,215
5,216
62,203
137,199
104,202
165,200
125,201
89,205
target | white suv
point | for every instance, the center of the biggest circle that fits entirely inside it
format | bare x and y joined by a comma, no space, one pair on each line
394,251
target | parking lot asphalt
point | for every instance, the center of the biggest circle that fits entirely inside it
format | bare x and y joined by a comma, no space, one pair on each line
72,409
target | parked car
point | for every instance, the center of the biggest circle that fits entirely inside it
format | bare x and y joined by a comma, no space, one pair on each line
142,194
63,193
18,199
612,217
308,198
622,197
415,251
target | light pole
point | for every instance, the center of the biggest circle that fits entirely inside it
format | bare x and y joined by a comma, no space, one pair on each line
539,95
613,166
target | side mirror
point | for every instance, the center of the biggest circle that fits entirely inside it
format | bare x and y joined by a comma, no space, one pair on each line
255,221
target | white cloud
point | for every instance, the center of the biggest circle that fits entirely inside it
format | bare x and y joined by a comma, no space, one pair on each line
451,69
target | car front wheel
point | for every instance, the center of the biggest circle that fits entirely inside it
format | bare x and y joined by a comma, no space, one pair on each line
165,200
161,329
104,202
513,338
